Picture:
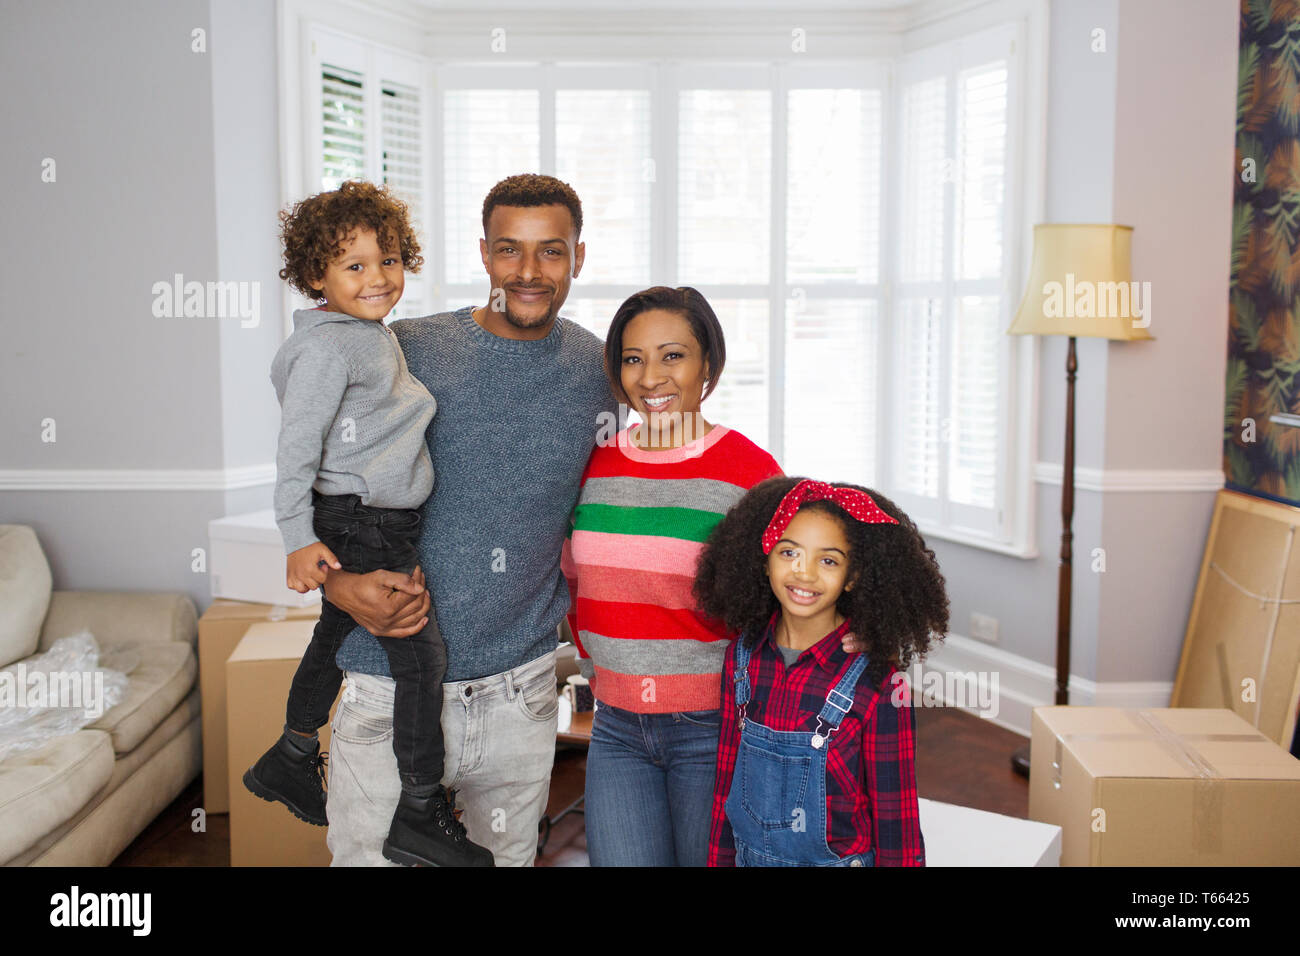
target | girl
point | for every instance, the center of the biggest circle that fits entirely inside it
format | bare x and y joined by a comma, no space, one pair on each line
816,757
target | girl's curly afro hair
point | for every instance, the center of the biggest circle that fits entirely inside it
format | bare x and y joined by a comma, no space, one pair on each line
897,605
314,229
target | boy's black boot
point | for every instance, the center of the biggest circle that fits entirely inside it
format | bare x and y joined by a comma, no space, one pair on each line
293,777
425,832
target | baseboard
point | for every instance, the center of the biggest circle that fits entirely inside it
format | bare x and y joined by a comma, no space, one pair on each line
1005,688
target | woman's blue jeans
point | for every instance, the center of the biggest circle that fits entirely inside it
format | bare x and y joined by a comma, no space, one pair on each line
649,793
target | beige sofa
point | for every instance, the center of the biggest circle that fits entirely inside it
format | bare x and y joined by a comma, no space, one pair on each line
81,799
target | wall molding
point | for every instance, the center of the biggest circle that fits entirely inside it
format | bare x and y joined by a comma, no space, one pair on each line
253,476
1109,480
139,479
1023,684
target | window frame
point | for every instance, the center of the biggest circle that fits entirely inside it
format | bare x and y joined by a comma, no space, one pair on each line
718,53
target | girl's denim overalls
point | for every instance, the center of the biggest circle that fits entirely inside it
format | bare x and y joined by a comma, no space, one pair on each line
777,803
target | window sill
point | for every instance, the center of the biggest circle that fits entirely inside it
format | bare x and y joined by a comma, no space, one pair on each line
1014,550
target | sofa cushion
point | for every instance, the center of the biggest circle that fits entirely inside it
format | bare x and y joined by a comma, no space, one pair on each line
42,789
25,586
165,674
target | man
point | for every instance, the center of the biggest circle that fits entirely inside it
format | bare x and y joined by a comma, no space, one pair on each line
519,392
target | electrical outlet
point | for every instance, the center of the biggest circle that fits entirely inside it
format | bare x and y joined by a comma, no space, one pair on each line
983,627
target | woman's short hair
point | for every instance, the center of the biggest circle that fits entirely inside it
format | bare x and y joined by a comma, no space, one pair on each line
686,302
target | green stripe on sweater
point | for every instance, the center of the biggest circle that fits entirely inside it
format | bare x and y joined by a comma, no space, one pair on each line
684,523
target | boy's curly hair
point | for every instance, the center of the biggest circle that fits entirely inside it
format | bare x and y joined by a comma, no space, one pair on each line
898,604
314,230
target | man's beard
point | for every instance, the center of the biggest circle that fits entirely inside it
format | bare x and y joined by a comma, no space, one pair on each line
523,322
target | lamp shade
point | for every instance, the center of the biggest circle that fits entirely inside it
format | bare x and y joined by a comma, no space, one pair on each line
1081,284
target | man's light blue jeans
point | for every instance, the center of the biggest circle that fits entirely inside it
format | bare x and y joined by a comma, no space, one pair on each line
500,739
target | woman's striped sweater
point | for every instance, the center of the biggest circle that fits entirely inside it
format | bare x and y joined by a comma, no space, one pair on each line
638,530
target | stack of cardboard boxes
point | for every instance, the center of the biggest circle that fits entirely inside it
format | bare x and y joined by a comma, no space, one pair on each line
248,653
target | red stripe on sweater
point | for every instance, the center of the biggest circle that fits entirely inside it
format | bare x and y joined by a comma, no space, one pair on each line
646,621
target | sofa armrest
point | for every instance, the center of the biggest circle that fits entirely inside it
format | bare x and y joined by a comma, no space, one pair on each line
121,617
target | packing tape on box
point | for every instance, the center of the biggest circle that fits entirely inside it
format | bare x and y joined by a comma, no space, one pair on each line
1207,795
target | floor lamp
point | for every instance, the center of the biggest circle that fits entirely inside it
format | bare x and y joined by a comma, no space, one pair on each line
1079,285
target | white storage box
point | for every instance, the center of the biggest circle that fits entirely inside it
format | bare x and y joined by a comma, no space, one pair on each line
246,561
963,836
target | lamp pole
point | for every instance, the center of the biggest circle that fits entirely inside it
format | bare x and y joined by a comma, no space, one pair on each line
1065,574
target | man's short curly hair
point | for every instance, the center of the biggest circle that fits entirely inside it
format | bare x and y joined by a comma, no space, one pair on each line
897,604
314,230
533,189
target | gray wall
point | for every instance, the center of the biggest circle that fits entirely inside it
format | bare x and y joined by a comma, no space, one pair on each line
167,162
245,121
1173,182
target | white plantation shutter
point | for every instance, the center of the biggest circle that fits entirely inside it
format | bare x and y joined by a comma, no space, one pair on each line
918,325
403,170
724,199
830,393
834,152
924,168
833,212
343,145
603,150
973,431
740,400
594,315
949,440
916,333
488,134
369,105
981,159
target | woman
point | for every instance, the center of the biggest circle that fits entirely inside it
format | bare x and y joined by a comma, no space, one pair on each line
649,500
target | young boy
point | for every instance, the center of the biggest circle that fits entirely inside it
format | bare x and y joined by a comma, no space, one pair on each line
352,470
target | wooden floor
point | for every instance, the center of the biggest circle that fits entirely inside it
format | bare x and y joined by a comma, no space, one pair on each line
961,759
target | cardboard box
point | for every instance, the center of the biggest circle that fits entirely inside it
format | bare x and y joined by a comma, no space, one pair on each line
1166,786
258,675
246,561
964,836
221,628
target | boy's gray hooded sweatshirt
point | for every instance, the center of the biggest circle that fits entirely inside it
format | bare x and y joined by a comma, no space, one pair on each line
352,420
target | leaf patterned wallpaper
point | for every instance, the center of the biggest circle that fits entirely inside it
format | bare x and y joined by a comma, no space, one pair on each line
1263,375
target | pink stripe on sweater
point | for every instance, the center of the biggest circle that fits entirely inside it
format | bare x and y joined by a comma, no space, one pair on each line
633,586
642,552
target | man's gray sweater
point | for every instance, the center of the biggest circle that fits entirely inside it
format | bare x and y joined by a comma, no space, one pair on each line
352,420
517,421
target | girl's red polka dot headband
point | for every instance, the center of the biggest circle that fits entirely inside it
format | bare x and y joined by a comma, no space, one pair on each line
857,503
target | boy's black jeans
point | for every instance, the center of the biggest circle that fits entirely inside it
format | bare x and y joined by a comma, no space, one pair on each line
366,539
